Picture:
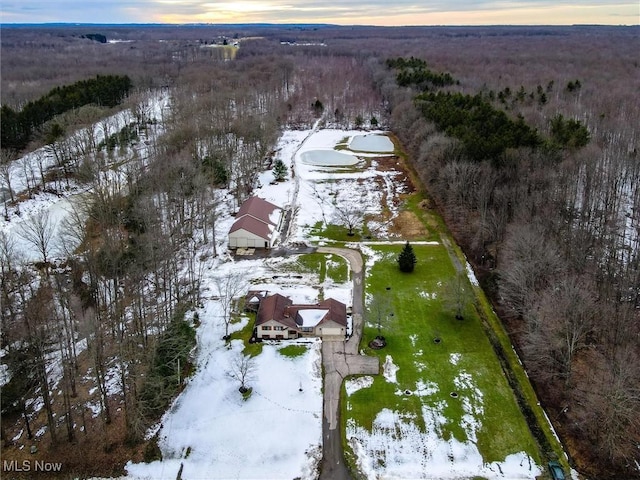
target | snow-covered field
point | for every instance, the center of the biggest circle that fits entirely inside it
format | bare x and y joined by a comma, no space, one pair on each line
214,433
277,432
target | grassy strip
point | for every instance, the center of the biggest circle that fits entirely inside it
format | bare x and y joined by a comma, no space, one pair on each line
421,314
339,233
512,367
333,267
516,375
251,349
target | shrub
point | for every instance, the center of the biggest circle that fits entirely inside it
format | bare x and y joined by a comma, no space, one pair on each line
279,170
152,451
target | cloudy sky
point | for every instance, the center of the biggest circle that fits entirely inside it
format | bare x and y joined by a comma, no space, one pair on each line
370,12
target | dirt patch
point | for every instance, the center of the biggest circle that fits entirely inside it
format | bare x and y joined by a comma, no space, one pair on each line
408,225
405,224
387,163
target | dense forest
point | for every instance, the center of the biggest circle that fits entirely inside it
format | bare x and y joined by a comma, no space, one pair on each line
525,140
106,90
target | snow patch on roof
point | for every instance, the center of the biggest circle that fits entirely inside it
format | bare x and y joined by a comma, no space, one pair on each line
312,316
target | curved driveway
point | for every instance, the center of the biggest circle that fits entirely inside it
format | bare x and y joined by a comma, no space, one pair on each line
340,358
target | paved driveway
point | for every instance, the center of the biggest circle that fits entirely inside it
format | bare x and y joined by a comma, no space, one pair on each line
340,358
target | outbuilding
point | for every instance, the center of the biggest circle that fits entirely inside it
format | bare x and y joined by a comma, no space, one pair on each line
257,225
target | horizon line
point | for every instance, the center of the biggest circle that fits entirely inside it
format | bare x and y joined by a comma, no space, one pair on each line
309,24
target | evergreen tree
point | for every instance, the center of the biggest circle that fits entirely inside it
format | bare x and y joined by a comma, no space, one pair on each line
279,170
407,259
318,107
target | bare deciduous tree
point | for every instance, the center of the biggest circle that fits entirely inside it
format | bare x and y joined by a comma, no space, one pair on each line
230,287
348,213
242,369
6,174
39,231
457,295
379,310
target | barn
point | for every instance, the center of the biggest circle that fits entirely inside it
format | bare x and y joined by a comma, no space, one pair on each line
257,225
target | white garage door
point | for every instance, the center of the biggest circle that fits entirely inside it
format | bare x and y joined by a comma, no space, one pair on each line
331,331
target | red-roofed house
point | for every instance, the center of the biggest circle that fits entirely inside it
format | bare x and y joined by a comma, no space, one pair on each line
279,318
257,225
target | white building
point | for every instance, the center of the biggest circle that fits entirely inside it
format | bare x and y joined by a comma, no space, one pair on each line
257,225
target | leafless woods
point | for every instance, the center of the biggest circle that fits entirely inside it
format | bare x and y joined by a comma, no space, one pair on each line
553,234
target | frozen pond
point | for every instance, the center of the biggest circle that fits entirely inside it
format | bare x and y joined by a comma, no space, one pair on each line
328,158
372,143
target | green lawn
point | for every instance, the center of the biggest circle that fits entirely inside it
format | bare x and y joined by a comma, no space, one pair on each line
463,361
292,351
332,267
337,233
252,349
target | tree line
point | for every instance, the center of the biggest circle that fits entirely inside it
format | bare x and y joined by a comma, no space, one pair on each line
136,246
484,130
18,126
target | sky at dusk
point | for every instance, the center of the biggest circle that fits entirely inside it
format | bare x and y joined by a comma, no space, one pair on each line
344,12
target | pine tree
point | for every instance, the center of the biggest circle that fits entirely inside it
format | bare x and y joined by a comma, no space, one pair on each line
407,259
279,170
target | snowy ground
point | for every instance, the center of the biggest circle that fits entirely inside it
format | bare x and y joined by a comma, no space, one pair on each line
214,433
26,172
397,447
277,433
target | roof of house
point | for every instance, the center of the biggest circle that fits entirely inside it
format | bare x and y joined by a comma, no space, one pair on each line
333,311
337,311
275,307
255,296
281,309
253,225
310,317
257,216
260,209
